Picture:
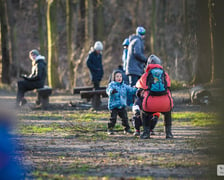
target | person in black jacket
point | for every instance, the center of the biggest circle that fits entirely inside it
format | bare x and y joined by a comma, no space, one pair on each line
35,80
94,63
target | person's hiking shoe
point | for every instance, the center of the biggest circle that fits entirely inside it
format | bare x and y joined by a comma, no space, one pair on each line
136,133
152,132
128,131
169,134
37,102
23,102
110,132
145,135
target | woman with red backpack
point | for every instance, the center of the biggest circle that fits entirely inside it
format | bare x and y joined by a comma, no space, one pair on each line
157,96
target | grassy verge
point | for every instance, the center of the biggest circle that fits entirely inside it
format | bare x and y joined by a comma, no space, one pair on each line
82,128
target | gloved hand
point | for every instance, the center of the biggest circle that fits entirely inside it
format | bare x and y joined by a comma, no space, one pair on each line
137,113
23,75
114,91
139,92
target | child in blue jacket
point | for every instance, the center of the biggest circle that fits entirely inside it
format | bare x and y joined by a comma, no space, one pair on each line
117,102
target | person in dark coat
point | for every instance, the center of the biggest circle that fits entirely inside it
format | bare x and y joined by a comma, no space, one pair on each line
136,60
35,80
94,63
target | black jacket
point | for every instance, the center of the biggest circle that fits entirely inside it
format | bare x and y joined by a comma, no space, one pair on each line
39,73
94,63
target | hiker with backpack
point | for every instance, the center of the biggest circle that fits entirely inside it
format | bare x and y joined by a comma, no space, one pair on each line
155,83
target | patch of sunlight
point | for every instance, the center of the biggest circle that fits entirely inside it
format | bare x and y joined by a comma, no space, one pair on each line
195,118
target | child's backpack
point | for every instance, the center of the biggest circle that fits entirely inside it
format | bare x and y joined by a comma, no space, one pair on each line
156,82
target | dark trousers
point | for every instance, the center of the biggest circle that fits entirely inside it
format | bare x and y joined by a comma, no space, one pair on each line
137,122
96,84
122,113
147,118
133,79
23,87
136,119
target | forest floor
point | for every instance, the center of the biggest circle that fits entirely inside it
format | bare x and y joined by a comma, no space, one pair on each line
70,142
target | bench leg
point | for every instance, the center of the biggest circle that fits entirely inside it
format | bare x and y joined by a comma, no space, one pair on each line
43,101
38,99
96,101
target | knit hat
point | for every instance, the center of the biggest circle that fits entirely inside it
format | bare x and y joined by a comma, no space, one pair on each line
125,42
153,59
140,30
35,52
98,46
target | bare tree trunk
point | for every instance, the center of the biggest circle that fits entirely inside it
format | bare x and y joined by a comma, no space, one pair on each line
5,43
42,27
79,62
99,20
69,39
211,24
89,23
14,64
218,40
203,70
53,77
153,27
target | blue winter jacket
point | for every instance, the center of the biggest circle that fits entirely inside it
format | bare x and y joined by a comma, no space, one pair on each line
136,59
94,63
119,99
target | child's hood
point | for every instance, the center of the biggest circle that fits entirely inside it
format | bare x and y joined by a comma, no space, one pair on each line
114,73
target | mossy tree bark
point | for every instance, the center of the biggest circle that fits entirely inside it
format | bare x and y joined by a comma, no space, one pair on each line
89,19
99,20
53,77
5,39
69,19
42,26
153,27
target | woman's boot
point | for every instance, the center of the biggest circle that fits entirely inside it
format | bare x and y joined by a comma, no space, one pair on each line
168,125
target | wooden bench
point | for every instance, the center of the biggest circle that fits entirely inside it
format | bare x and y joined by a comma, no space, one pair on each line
43,96
95,96
86,88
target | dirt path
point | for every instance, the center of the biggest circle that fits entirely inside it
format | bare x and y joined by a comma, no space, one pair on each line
93,153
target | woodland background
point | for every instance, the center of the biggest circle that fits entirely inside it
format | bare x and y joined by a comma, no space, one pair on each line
186,34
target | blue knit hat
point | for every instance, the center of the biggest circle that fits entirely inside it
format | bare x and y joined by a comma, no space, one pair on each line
35,52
